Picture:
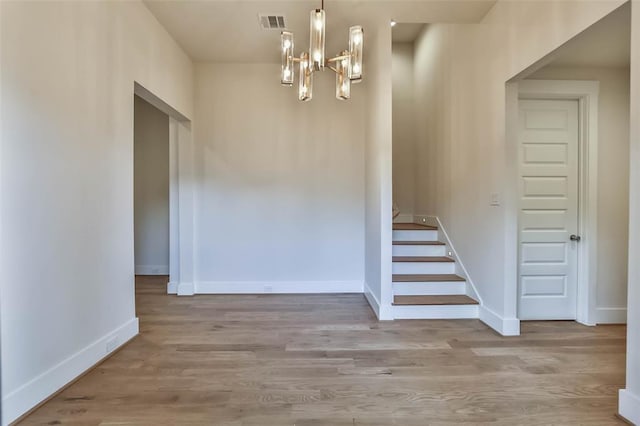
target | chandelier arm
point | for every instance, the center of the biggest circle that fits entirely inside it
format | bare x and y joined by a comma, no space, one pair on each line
338,58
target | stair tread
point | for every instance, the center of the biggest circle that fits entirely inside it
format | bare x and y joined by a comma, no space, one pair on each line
408,278
418,243
453,299
422,259
413,227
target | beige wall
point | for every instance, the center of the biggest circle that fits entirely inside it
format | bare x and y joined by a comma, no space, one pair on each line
613,181
378,167
151,189
432,73
469,151
403,124
68,72
280,183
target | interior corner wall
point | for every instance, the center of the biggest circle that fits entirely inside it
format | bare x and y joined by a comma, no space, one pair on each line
629,403
378,168
472,63
432,74
403,125
151,189
613,182
279,199
66,183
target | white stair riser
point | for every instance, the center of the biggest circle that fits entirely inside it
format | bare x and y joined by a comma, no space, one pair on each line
435,312
425,250
415,235
429,288
423,267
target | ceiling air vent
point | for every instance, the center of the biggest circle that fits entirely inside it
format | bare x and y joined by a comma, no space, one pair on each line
271,22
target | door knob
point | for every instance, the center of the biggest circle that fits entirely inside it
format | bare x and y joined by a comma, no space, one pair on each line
574,237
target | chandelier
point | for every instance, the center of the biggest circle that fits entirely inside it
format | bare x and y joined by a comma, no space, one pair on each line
347,64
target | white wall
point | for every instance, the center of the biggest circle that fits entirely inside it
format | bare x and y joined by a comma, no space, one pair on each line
151,189
68,71
403,128
613,183
432,73
629,404
469,153
280,183
378,168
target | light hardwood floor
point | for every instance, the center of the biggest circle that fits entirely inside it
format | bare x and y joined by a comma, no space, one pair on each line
325,360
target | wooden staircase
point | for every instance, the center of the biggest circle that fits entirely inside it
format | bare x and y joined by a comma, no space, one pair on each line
425,283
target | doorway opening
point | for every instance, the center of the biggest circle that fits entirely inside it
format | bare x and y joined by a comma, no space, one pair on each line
163,195
568,123
151,193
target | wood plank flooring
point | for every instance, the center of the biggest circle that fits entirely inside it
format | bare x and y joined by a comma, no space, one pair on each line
423,259
408,278
413,227
418,243
316,360
448,299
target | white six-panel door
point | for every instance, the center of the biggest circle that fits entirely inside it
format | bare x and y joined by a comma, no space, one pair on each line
548,210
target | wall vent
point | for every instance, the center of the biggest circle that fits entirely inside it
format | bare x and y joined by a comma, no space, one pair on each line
271,22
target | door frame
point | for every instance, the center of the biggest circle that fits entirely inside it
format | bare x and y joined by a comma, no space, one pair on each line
181,198
586,93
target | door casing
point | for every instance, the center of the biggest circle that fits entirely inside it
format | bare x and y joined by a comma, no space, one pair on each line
586,93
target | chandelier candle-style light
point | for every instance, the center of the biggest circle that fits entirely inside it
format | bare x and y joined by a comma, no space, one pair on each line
347,65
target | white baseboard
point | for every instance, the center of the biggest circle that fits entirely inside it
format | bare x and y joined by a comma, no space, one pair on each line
278,287
172,287
372,299
403,218
611,315
629,406
152,269
27,396
504,326
185,289
382,313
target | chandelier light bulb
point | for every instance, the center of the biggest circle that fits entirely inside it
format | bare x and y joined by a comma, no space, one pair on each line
305,80
316,39
343,84
356,41
286,76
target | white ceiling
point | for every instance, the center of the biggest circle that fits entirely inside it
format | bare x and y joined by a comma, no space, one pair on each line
406,33
228,30
607,43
